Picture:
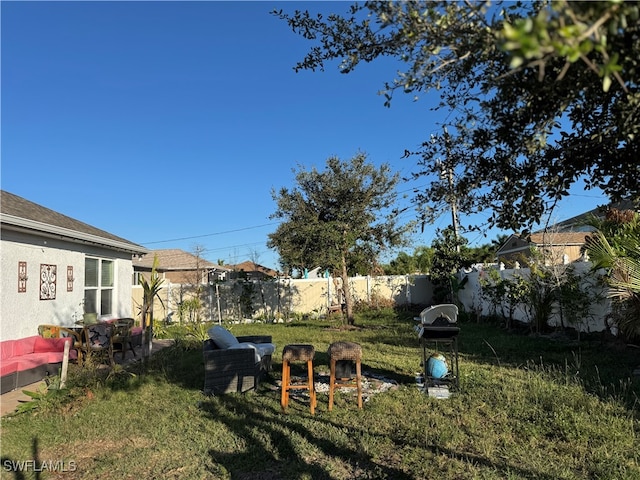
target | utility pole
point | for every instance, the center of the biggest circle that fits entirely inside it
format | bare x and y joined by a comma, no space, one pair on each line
454,208
453,201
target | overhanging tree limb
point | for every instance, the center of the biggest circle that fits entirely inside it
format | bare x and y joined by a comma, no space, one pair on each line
523,139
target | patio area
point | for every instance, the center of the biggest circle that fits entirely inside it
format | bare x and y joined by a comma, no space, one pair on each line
11,400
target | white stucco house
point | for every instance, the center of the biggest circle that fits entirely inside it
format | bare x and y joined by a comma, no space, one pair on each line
54,269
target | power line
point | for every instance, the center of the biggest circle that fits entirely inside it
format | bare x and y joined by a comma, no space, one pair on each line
205,255
209,234
233,246
209,250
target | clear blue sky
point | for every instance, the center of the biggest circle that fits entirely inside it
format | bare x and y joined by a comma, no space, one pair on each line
169,123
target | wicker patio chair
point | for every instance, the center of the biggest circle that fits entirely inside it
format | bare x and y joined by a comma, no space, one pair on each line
97,341
122,339
228,370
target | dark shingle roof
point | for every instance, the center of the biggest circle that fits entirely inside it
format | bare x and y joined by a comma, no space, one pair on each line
19,212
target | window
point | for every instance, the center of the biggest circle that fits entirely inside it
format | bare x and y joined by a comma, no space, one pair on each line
98,286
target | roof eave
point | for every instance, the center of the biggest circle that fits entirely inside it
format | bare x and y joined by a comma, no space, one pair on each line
524,248
52,231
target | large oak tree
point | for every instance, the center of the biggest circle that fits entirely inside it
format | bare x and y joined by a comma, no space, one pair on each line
337,217
537,95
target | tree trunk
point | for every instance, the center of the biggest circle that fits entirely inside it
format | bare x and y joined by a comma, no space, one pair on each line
147,330
347,292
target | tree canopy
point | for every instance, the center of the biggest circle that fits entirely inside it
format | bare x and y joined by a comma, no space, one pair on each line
423,257
538,95
337,217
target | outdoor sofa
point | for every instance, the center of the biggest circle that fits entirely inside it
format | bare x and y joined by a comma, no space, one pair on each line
29,360
235,364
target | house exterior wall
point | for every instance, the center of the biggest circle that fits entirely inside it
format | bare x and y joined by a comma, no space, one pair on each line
553,254
21,313
556,248
572,253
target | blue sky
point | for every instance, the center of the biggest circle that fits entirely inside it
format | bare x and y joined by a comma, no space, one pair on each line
169,123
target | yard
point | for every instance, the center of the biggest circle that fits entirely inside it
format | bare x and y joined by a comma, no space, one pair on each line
542,407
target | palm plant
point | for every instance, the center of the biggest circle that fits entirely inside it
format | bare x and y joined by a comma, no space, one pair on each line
615,248
151,290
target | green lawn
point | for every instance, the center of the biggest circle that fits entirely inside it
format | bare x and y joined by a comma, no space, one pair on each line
530,408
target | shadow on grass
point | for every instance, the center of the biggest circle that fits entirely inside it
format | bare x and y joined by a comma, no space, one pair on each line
178,364
600,368
291,445
33,465
272,440
272,437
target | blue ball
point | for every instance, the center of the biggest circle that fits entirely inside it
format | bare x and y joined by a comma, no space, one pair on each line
437,366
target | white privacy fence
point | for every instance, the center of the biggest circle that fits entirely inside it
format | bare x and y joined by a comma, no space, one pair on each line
472,301
283,297
315,296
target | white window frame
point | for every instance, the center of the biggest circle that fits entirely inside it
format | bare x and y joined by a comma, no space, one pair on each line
104,289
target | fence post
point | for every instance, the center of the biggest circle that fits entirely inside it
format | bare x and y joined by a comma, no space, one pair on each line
65,364
407,286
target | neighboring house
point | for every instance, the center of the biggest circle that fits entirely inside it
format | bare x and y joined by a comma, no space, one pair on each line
561,244
555,247
178,266
55,268
183,277
252,271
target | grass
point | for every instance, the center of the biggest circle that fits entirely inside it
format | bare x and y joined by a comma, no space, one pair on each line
530,408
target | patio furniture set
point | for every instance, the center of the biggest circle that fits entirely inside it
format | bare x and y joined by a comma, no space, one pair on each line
100,340
31,359
237,364
231,364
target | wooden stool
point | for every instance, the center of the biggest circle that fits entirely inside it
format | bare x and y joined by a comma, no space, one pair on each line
345,351
298,353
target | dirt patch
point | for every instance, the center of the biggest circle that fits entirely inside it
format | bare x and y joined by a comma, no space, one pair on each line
371,385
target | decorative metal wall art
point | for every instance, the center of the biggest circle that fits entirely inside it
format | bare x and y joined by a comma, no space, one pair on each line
47,282
70,278
22,277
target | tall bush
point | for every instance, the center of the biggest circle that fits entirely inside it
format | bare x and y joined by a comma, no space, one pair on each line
506,294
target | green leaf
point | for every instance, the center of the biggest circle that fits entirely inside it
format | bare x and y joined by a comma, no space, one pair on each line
36,395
